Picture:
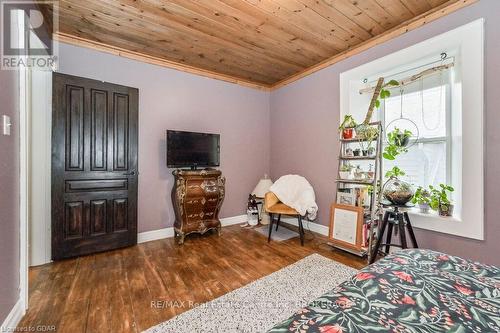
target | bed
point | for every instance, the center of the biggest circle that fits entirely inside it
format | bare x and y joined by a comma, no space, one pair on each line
414,291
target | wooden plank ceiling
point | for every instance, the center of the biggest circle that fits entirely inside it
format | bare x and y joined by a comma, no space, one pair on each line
260,42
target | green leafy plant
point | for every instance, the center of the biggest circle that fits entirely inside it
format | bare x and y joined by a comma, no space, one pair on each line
381,92
399,137
346,167
368,133
396,142
439,196
422,196
395,172
385,93
348,122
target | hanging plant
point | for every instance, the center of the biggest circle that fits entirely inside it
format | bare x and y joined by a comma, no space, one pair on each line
385,93
399,138
397,141
379,94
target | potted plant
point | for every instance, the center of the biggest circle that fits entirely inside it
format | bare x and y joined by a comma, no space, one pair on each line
422,197
366,132
440,201
395,190
400,138
345,171
397,141
347,127
356,152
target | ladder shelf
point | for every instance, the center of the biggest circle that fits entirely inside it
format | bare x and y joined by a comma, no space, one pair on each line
371,215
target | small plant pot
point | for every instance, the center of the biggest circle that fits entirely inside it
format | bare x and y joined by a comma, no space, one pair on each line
345,174
402,141
445,210
371,151
424,208
356,152
364,152
347,133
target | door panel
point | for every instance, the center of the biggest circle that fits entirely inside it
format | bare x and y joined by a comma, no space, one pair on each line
73,220
74,128
99,120
120,214
94,166
120,131
98,217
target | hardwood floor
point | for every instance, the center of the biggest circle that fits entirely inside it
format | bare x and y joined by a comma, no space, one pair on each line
115,291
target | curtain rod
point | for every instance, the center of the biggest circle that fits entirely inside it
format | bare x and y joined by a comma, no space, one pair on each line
413,78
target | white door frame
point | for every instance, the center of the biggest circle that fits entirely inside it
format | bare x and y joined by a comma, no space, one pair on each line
24,167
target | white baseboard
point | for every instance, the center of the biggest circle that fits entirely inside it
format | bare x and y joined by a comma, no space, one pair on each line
314,227
227,221
152,235
14,317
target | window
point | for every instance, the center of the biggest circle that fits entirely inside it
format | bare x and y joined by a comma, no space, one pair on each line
423,106
449,120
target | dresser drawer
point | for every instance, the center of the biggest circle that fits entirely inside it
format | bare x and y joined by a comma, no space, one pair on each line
202,187
201,202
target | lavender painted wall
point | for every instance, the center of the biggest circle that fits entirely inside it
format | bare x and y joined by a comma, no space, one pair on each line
9,195
170,99
305,115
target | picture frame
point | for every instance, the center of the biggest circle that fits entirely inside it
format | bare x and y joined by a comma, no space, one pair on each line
346,226
346,198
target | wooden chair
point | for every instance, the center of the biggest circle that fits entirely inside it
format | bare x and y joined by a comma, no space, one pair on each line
274,207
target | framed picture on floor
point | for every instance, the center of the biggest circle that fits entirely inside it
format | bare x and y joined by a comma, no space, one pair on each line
346,226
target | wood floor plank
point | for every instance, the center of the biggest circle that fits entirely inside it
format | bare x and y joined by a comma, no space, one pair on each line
132,289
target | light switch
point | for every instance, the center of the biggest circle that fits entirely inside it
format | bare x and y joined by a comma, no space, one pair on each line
6,125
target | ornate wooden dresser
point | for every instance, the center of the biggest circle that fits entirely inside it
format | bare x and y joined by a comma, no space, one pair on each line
197,197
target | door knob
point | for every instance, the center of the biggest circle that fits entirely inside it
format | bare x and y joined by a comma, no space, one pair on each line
131,173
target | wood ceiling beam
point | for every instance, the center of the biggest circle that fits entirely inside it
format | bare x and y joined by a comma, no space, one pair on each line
438,12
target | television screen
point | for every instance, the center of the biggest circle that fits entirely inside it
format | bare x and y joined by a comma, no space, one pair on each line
189,149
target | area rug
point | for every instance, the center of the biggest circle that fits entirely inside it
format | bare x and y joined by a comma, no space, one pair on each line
259,305
280,235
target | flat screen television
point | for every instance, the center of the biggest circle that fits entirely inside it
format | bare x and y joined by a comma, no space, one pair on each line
192,150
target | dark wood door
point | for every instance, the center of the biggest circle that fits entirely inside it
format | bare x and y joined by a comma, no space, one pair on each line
94,166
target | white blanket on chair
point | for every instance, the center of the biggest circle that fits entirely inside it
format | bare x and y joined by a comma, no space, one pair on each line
296,192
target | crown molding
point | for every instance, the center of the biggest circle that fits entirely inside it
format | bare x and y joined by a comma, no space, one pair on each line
118,51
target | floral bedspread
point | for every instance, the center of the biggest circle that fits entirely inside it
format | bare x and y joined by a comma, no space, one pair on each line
414,291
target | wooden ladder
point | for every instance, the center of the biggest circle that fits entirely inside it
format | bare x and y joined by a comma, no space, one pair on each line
374,212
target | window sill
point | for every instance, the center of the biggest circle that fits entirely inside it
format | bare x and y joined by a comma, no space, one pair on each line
433,215
453,225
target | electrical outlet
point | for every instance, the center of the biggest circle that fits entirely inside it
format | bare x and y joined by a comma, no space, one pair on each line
6,125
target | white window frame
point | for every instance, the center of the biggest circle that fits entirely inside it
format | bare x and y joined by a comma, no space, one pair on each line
467,149
446,139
